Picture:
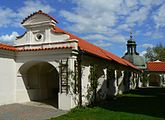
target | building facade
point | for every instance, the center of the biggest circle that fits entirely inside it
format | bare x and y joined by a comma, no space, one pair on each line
47,62
155,73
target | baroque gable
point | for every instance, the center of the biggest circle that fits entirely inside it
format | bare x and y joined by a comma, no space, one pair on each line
39,27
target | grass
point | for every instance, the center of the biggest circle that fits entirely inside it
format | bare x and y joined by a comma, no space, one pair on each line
141,104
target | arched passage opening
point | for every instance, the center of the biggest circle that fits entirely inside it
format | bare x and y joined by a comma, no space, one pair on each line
154,79
41,80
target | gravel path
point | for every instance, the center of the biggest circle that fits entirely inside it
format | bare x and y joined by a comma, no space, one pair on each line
28,111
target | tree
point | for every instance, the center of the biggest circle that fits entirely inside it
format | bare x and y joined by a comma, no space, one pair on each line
160,52
155,53
150,55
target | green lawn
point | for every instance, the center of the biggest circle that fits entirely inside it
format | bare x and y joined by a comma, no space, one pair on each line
141,104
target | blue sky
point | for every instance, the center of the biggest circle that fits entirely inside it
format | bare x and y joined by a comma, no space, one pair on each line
105,23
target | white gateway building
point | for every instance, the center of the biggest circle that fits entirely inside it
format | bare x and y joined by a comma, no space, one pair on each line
47,62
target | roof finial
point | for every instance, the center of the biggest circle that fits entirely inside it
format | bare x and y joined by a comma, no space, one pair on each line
131,35
40,11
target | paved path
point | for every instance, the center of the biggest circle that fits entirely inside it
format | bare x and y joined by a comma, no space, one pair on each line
29,111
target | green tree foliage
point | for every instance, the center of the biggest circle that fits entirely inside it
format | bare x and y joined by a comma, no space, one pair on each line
155,53
160,52
150,54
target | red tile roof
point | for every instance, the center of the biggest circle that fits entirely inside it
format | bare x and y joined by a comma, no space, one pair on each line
156,66
95,50
7,47
39,12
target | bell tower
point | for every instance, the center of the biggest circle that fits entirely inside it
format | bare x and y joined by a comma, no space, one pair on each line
131,46
132,55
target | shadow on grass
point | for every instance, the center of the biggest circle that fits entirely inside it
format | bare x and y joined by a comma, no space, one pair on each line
146,101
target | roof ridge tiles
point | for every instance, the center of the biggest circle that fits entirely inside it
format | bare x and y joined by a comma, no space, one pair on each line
38,12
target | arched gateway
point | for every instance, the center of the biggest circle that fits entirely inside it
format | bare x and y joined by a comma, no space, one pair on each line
41,82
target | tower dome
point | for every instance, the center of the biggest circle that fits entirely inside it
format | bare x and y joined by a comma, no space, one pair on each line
132,55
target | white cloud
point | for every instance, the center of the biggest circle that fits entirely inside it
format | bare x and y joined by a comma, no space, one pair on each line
93,16
104,44
8,38
151,2
95,37
124,27
154,34
108,17
143,53
107,20
118,38
159,17
6,17
107,13
100,17
131,3
11,17
138,16
99,40
147,46
31,6
101,43
89,23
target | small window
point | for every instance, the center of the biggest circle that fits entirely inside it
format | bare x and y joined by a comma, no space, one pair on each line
39,37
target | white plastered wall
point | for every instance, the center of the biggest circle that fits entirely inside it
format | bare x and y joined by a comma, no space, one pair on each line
85,83
102,80
121,82
7,79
